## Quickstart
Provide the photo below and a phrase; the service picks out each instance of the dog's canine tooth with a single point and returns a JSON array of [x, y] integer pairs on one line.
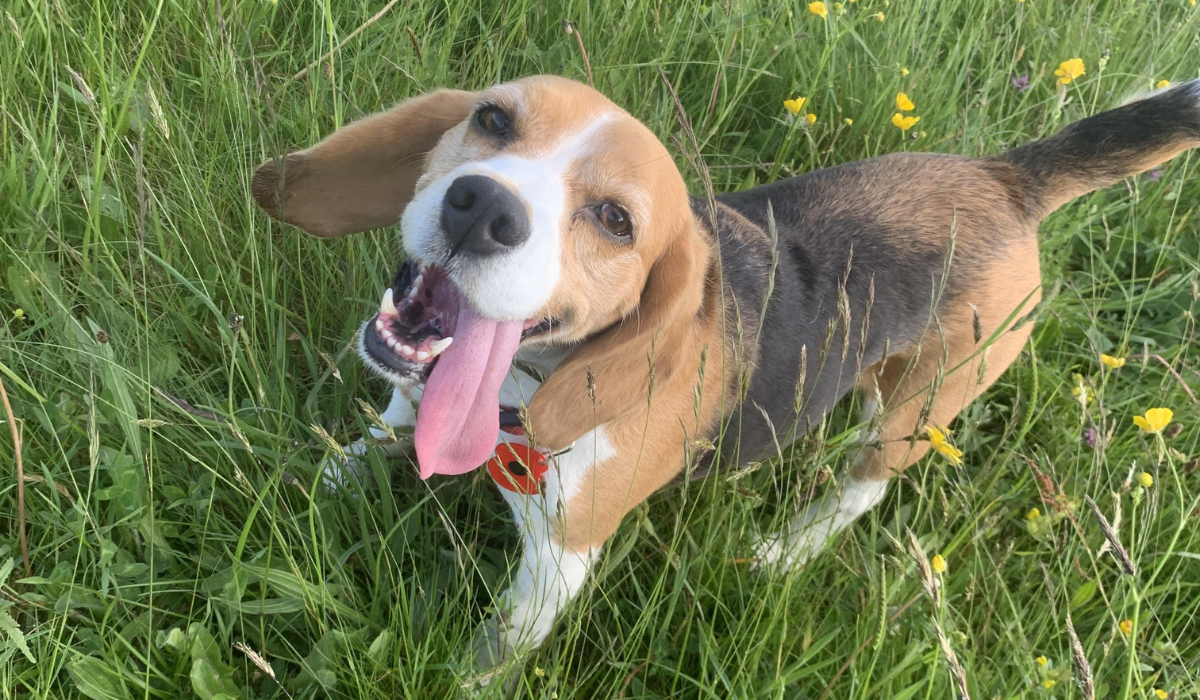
[[416, 286], [437, 348], [387, 306]]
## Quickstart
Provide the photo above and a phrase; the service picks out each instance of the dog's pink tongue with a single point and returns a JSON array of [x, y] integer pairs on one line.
[[459, 416]]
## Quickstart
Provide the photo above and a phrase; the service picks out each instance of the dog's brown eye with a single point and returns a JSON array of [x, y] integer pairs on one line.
[[614, 218], [493, 120]]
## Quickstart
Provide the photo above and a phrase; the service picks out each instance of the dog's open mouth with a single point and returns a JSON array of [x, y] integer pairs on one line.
[[427, 331], [416, 321]]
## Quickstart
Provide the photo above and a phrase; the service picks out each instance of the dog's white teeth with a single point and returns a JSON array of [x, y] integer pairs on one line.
[[406, 350], [422, 355], [379, 325], [387, 306], [437, 348], [392, 343], [416, 286]]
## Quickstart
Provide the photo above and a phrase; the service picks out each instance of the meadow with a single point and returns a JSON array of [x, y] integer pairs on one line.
[[177, 367]]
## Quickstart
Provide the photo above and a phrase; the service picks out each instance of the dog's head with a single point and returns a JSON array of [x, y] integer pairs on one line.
[[533, 212]]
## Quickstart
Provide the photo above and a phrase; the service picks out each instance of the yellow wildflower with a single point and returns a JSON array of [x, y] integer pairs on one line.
[[903, 71], [1114, 362], [939, 564], [1048, 683], [818, 8], [1033, 514], [794, 106], [905, 123], [1162, 694], [879, 16], [1145, 480], [1069, 70], [812, 118], [537, 671], [1126, 626], [941, 443], [903, 103], [18, 314], [1155, 420], [1042, 661], [1162, 84], [848, 121]]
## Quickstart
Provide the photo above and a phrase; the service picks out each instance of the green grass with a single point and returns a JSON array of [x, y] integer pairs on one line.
[[158, 537]]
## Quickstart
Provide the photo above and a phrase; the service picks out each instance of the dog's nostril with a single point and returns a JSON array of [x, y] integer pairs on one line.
[[502, 231], [461, 198]]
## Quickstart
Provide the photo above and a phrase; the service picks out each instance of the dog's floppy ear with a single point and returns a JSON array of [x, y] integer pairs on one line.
[[645, 355], [363, 175]]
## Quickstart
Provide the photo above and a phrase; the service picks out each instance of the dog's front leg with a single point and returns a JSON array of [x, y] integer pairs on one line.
[[401, 412], [547, 578]]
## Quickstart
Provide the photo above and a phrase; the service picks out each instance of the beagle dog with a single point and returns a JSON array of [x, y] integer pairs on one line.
[[566, 313]]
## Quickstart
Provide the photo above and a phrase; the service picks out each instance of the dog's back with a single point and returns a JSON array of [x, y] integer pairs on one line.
[[879, 257]]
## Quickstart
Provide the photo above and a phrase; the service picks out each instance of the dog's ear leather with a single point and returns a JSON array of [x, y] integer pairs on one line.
[[650, 353], [363, 175]]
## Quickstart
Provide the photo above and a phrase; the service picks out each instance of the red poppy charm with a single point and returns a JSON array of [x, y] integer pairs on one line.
[[518, 468]]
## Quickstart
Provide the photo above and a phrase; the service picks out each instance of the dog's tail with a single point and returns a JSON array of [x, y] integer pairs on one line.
[[1104, 148]]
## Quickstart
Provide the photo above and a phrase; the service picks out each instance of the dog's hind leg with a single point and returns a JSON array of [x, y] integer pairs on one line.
[[961, 356]]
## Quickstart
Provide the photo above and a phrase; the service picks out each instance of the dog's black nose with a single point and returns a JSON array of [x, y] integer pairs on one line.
[[481, 216]]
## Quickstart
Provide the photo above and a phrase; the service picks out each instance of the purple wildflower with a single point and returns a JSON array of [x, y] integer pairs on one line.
[[1089, 437], [1154, 175], [1021, 83]]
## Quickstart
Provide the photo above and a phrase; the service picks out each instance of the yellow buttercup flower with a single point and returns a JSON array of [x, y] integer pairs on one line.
[[1145, 480], [941, 443], [1069, 70], [938, 563], [1049, 683], [795, 105], [903, 71], [1162, 694], [1033, 514], [1114, 362], [812, 118], [1126, 627], [1155, 420], [537, 671], [903, 103], [818, 8], [1162, 84], [879, 16], [1042, 661], [905, 123], [848, 121]]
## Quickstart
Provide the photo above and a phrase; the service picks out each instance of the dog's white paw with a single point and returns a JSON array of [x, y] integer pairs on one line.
[[791, 550], [489, 654]]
